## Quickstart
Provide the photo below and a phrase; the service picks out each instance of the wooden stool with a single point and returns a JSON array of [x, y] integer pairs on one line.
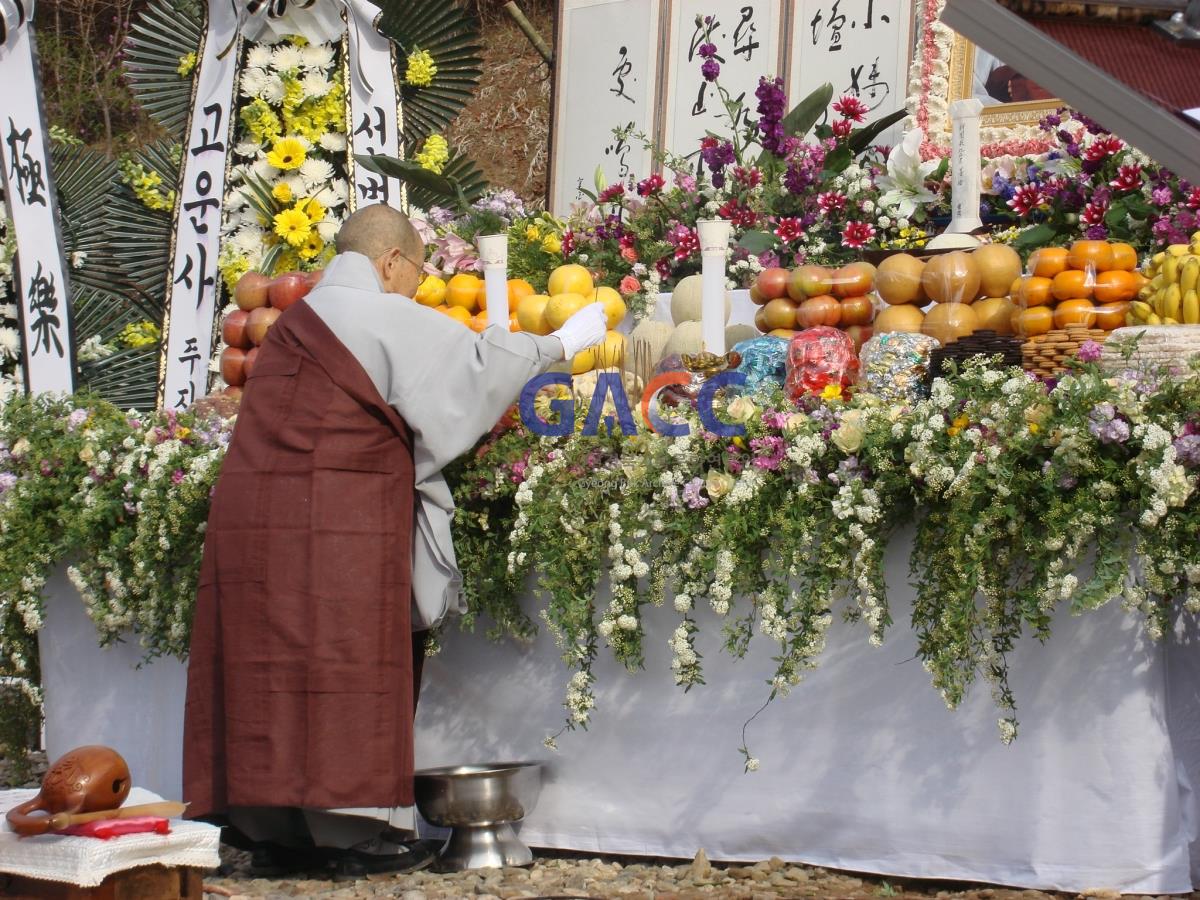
[[143, 883]]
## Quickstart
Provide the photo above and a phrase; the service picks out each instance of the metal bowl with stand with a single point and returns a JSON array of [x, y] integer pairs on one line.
[[481, 803]]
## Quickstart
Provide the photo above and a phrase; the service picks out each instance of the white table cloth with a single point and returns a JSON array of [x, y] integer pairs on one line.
[[863, 767]]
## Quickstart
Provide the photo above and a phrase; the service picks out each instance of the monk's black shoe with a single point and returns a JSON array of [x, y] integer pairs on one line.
[[273, 861], [351, 864]]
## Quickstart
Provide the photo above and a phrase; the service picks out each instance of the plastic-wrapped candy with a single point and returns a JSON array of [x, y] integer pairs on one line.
[[894, 365], [818, 358], [764, 359]]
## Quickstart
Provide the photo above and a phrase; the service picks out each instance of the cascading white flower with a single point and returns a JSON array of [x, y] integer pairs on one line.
[[904, 184]]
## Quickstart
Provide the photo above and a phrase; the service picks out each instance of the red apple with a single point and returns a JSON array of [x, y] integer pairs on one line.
[[287, 289], [756, 296], [860, 334], [233, 329], [821, 310], [760, 320], [857, 310], [233, 370], [251, 290], [251, 358], [772, 283], [809, 281], [260, 320]]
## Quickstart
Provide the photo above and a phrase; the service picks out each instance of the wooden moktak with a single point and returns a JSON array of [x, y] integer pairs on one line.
[[86, 779]]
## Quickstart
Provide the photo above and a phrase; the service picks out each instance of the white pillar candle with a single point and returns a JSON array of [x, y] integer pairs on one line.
[[493, 250], [714, 242], [964, 165]]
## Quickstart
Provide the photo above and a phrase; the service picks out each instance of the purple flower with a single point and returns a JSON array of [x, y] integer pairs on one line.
[[1161, 196], [1089, 351], [76, 418], [1106, 426], [7, 481], [772, 106], [716, 155], [1096, 233], [710, 70], [692, 496], [707, 50], [1187, 450], [768, 452], [177, 477]]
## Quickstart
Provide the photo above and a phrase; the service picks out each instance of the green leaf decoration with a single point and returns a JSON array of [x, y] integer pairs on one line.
[[461, 170], [804, 115], [837, 160], [756, 241], [450, 34], [863, 138], [459, 184], [127, 379], [164, 33], [139, 238], [1038, 236], [82, 180]]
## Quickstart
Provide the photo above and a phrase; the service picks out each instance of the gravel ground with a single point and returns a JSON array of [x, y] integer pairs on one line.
[[559, 876]]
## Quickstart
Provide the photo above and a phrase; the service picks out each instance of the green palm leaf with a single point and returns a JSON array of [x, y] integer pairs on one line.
[[450, 34], [139, 238], [82, 180], [158, 39], [466, 175], [128, 378]]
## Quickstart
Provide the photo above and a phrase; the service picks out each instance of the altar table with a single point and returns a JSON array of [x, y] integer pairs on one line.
[[862, 767]]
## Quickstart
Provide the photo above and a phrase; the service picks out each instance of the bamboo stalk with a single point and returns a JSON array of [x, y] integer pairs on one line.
[[166, 809], [530, 32]]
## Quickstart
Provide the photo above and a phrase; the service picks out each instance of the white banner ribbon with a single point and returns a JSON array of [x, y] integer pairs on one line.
[[193, 274], [375, 118], [41, 272]]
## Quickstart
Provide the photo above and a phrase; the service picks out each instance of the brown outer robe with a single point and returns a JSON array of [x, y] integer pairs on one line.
[[300, 681]]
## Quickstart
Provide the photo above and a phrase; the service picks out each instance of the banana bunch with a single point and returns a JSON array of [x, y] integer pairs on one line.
[[1172, 295]]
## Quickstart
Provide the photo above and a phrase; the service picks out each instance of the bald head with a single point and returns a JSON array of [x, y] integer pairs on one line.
[[374, 230]]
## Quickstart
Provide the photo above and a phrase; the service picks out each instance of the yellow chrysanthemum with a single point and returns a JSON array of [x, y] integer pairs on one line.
[[434, 154], [140, 334], [533, 233], [288, 153], [232, 269], [421, 69], [282, 192], [551, 243], [187, 63], [312, 247], [293, 226]]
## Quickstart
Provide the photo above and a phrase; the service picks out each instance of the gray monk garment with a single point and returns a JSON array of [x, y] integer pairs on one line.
[[448, 383]]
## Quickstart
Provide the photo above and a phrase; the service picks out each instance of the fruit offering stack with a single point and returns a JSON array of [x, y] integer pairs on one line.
[[814, 295], [1047, 354], [260, 301], [1172, 295], [464, 298], [969, 292], [569, 289], [1091, 283]]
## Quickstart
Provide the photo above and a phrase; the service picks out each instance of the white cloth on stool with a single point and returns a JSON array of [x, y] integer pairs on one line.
[[86, 861]]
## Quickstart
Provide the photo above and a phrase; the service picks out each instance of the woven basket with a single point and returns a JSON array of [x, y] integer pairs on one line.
[[1047, 354], [1157, 345]]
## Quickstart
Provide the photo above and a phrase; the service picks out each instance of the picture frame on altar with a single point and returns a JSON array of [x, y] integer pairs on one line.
[[1009, 99]]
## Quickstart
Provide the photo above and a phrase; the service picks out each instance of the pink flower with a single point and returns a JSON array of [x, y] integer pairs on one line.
[[850, 107], [831, 201], [1094, 212], [629, 285], [177, 477], [612, 192], [1026, 199], [789, 229], [1089, 351], [842, 128], [1193, 199], [1129, 178], [1102, 148], [568, 242], [629, 254], [856, 234], [751, 177], [651, 185]]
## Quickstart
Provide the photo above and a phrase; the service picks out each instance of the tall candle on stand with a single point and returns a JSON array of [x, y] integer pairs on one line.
[[964, 166], [714, 242], [493, 250]]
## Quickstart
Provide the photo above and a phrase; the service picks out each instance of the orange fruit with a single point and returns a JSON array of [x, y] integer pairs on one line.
[[463, 291], [1048, 261], [1033, 290], [1115, 285], [1097, 254], [1125, 257], [431, 291], [513, 324], [459, 314], [1111, 315], [1035, 320], [518, 288], [481, 296], [1074, 312], [1072, 284], [570, 279], [478, 323]]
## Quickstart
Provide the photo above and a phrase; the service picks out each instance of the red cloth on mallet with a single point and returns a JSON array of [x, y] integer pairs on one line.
[[110, 828]]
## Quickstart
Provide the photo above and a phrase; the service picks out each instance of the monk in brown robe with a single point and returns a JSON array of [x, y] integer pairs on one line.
[[328, 545]]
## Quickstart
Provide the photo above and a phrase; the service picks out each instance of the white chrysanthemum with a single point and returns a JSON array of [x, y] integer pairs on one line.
[[10, 342], [332, 141], [263, 170], [328, 230], [316, 56], [248, 148], [259, 56], [315, 172], [314, 84], [295, 184], [247, 241], [254, 82], [8, 310], [287, 57], [272, 89]]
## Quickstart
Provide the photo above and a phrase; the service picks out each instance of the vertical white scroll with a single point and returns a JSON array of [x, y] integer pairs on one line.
[[964, 166], [193, 275], [606, 78], [375, 122], [41, 271], [746, 35], [861, 47], [493, 250], [714, 243]]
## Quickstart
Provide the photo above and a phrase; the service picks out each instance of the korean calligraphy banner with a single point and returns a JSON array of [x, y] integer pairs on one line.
[[607, 77], [374, 106], [48, 350], [191, 291]]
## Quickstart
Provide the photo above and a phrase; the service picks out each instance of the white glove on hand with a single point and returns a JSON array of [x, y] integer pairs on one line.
[[584, 329]]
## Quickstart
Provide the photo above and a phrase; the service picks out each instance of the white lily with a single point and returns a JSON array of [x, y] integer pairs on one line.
[[904, 184]]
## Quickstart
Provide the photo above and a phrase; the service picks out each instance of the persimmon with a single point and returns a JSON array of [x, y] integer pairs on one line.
[[1072, 284], [1097, 254], [1115, 285], [1048, 261], [1074, 312], [1034, 290]]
